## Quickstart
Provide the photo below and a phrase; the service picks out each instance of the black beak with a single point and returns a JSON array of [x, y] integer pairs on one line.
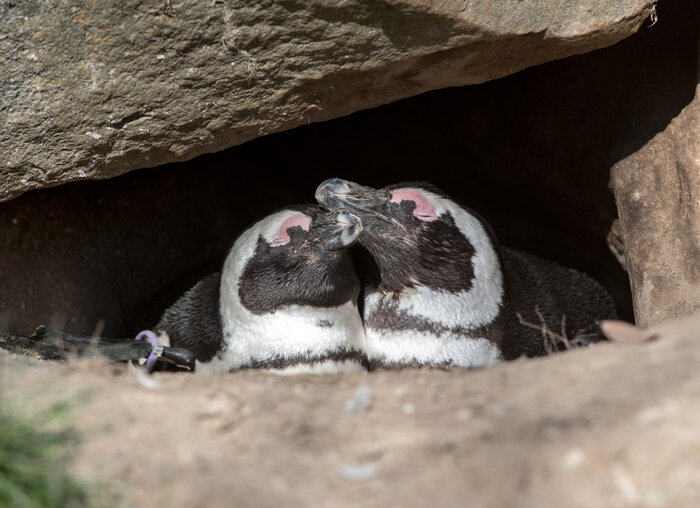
[[337, 229], [337, 193]]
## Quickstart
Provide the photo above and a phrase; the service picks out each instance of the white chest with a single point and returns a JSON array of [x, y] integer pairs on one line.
[[309, 339], [397, 334]]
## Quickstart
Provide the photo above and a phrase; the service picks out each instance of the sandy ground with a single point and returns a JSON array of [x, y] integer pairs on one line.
[[614, 425]]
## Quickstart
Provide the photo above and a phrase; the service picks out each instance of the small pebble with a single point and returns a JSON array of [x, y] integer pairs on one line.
[[360, 400], [359, 473], [573, 458]]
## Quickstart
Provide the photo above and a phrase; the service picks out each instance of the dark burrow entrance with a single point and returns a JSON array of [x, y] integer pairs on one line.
[[532, 152]]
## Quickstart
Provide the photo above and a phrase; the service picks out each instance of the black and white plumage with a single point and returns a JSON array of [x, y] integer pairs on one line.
[[445, 293], [285, 300]]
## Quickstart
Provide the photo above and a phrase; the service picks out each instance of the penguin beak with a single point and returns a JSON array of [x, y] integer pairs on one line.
[[365, 201], [337, 193], [338, 229]]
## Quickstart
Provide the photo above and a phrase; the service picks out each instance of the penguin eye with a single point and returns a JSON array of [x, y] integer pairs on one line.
[[424, 209], [283, 233]]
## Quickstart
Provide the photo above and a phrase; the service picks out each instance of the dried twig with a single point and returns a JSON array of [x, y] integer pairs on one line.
[[550, 339]]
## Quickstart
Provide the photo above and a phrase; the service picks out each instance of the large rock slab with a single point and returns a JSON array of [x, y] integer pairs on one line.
[[95, 89], [657, 189]]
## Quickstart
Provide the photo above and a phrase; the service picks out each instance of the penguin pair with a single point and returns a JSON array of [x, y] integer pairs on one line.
[[439, 290]]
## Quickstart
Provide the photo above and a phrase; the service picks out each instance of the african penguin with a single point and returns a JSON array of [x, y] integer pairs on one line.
[[445, 293], [285, 300]]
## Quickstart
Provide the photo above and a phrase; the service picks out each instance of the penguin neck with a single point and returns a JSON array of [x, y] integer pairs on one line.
[[470, 308]]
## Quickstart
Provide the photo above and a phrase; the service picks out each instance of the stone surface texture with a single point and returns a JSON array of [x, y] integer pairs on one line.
[[657, 189], [95, 89]]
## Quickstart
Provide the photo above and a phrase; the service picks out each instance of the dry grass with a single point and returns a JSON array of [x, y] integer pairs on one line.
[[552, 341]]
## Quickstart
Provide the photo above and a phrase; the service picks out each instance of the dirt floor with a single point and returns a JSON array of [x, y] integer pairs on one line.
[[613, 425]]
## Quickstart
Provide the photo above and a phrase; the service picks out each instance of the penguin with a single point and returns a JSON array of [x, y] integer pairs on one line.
[[285, 300], [441, 291]]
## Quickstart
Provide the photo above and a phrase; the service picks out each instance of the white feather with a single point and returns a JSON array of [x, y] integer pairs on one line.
[[324, 367], [407, 346]]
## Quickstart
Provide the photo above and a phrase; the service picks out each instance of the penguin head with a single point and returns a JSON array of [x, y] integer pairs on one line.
[[296, 256], [416, 235]]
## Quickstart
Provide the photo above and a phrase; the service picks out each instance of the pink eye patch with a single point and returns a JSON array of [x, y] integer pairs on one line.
[[424, 210], [282, 237]]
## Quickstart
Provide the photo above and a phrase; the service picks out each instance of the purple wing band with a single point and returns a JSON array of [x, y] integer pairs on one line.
[[153, 339]]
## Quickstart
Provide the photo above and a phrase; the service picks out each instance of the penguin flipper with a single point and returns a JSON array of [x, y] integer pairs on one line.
[[193, 322], [26, 346], [54, 345], [72, 345]]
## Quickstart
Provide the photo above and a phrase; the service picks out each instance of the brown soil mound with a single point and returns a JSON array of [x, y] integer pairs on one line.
[[611, 425]]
